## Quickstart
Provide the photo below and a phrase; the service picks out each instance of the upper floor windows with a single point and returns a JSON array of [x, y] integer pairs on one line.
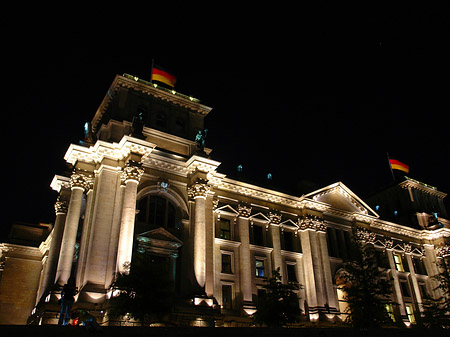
[[157, 211]]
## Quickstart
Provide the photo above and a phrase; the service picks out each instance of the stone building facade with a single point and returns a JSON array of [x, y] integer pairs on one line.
[[140, 181]]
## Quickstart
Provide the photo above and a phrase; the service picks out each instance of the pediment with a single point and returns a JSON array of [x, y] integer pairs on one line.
[[227, 208], [342, 198], [259, 216], [160, 234]]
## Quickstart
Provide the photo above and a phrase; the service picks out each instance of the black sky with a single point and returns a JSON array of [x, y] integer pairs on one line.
[[312, 95]]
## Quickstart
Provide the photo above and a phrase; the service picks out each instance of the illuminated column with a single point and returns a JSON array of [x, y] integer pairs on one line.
[[244, 253], [275, 220], [312, 264], [132, 174], [198, 191], [78, 185], [330, 293], [415, 283], [55, 246], [398, 298]]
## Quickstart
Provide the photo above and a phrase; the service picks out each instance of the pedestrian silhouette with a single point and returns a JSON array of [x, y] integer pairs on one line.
[[68, 293]]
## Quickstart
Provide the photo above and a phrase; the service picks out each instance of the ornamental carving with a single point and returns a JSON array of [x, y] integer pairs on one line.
[[199, 188], [244, 210], [132, 171], [275, 217], [443, 251], [365, 235], [312, 222], [60, 206], [78, 180], [388, 243]]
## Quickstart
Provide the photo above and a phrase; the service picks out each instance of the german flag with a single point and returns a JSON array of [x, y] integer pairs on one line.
[[398, 165], [160, 75]]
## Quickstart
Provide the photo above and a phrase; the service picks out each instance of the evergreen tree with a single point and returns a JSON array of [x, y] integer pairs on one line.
[[147, 292], [279, 305], [366, 289]]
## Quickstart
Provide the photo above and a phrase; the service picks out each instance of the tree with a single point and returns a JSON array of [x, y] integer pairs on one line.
[[366, 289], [436, 313], [279, 305], [147, 292]]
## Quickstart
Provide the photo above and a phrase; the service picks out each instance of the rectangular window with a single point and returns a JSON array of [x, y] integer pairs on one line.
[[288, 241], [225, 229], [259, 264], [405, 288], [423, 289], [398, 262], [227, 296], [410, 313], [390, 312], [419, 266], [226, 263], [291, 274], [258, 238]]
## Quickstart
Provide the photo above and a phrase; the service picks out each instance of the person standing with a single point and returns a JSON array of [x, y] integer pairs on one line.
[[68, 293]]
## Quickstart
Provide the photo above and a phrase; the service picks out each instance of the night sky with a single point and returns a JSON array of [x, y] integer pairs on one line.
[[311, 95]]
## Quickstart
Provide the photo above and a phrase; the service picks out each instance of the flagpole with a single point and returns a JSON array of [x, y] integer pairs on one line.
[[390, 166], [151, 74]]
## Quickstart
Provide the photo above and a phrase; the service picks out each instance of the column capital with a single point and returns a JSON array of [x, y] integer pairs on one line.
[[61, 207], [443, 251], [198, 189], [275, 217], [133, 170], [78, 180], [365, 235], [244, 210], [313, 223]]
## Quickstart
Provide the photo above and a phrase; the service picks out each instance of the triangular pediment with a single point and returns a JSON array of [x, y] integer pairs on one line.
[[227, 208], [160, 234], [342, 198], [259, 216]]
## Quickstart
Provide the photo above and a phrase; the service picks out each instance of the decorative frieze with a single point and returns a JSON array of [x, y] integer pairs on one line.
[[132, 171]]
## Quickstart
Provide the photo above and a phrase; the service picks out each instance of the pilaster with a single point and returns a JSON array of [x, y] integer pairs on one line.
[[245, 264]]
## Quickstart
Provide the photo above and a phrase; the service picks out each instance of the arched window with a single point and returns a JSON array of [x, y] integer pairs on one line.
[[157, 211]]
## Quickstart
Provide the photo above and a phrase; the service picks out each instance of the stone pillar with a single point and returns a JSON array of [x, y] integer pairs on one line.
[[330, 292], [198, 191], [245, 264], [55, 247], [415, 283], [131, 175], [398, 298], [78, 185], [275, 219], [313, 267]]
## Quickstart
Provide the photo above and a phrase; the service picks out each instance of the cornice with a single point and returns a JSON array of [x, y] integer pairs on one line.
[[102, 149], [411, 183]]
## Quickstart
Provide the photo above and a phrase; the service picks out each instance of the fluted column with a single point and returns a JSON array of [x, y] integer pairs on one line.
[[131, 175], [55, 246], [275, 219], [198, 191], [77, 185], [244, 252]]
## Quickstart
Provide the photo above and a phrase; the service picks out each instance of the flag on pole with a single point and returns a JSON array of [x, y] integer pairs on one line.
[[158, 74], [398, 165]]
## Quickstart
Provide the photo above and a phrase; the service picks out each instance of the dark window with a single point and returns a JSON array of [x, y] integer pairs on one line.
[[225, 229], [259, 264], [419, 266], [226, 263], [291, 274], [258, 238], [227, 296], [405, 288], [288, 241], [161, 119], [157, 211]]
